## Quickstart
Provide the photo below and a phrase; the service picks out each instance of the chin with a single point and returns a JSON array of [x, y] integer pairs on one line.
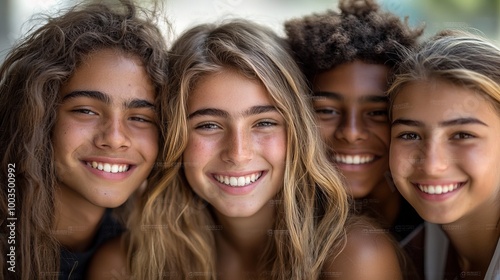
[[358, 192], [110, 203]]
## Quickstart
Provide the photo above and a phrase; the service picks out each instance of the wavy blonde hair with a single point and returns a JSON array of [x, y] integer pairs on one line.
[[459, 57], [172, 240]]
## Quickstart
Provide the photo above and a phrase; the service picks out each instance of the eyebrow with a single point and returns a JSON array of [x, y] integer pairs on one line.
[[339, 97], [135, 103], [255, 110], [459, 121], [89, 94]]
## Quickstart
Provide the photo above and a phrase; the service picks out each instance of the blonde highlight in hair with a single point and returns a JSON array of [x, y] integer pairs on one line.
[[313, 203], [458, 57]]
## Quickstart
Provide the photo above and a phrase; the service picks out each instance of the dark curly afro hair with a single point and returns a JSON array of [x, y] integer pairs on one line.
[[361, 31]]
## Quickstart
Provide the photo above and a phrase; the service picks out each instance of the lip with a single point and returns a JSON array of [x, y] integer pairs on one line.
[[113, 160], [238, 191], [441, 196]]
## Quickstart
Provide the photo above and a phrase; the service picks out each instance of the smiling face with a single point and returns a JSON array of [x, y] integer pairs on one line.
[[235, 157], [105, 137], [444, 153], [351, 110]]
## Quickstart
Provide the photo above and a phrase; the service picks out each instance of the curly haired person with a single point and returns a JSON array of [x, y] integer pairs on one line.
[[348, 58]]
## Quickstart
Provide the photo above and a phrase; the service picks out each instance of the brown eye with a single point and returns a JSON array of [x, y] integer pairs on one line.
[[84, 111], [409, 136], [462, 135]]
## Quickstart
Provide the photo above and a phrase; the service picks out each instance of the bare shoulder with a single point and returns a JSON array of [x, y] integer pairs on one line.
[[110, 261], [369, 253]]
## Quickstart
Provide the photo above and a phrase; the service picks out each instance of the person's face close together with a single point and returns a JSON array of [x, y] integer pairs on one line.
[[445, 152], [351, 110], [106, 135], [235, 157]]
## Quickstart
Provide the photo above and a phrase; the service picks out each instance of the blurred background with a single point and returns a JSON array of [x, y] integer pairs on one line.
[[18, 16]]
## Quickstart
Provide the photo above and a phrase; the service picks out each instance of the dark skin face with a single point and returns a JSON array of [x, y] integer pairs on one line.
[[351, 109]]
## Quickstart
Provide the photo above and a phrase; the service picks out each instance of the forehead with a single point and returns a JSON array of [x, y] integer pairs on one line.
[[229, 90], [439, 100], [119, 75], [353, 80]]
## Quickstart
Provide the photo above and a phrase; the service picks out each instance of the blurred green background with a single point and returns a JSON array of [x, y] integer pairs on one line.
[[478, 15]]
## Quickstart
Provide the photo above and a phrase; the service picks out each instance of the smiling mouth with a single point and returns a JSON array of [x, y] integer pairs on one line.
[[109, 167], [438, 189], [353, 159], [240, 181]]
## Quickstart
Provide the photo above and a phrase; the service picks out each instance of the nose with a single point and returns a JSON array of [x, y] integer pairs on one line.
[[238, 147], [112, 134], [435, 158], [351, 128]]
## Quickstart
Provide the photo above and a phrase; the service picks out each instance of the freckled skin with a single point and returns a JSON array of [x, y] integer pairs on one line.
[[236, 144], [439, 154], [88, 128]]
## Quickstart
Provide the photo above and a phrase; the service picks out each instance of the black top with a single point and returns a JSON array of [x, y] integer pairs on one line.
[[74, 264], [406, 222]]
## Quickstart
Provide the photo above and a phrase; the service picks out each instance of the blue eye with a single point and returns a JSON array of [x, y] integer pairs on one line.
[[207, 126], [265, 123]]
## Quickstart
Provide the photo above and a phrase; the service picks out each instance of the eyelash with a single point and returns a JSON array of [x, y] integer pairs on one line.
[[415, 136], [265, 123], [84, 111], [327, 112], [213, 126], [139, 119], [90, 112], [406, 136], [461, 136], [377, 113], [207, 126]]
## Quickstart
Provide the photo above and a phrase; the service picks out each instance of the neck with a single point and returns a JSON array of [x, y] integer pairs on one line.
[[77, 220], [242, 241], [475, 237], [384, 200]]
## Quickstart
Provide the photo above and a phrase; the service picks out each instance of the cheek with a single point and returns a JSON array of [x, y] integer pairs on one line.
[[148, 143], [383, 133], [327, 130], [198, 152], [274, 148], [399, 161], [64, 137]]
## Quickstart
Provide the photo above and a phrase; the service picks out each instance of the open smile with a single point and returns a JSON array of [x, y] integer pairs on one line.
[[354, 159], [439, 189], [239, 181], [108, 167]]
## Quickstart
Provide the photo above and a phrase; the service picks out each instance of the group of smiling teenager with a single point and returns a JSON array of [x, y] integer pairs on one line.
[[345, 150]]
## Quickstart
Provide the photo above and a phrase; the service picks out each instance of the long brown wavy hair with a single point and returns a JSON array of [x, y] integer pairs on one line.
[[172, 237], [30, 79]]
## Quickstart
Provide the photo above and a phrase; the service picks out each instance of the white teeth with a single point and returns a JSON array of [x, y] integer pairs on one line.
[[109, 167], [438, 189], [238, 181], [233, 181], [357, 159]]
